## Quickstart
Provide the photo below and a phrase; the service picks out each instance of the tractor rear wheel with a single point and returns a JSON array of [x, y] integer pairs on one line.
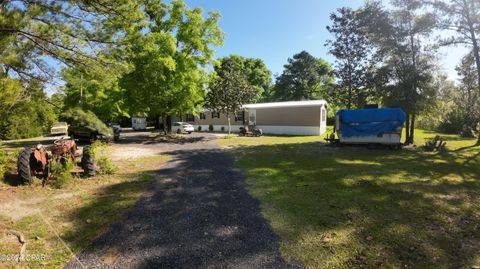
[[23, 166], [88, 163]]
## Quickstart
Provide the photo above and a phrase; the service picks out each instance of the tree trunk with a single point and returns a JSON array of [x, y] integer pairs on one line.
[[412, 128], [229, 126], [157, 122], [169, 124], [350, 97], [164, 121], [476, 52], [407, 130]]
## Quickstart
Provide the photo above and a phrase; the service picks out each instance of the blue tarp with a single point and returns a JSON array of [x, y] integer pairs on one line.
[[365, 122]]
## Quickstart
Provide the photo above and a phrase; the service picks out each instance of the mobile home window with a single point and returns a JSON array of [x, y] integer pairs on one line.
[[324, 114], [189, 117], [215, 115], [203, 116], [239, 116]]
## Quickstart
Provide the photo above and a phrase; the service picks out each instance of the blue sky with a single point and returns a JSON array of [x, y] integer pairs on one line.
[[274, 30]]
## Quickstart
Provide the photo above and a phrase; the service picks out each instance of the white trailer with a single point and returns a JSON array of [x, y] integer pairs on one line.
[[139, 123]]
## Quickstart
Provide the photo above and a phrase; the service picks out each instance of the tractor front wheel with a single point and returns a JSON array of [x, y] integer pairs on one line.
[[88, 163], [23, 166]]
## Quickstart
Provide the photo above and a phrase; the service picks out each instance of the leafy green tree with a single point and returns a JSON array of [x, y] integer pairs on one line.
[[434, 116], [38, 37], [465, 117], [10, 94], [25, 111], [408, 64], [462, 17], [95, 88], [57, 101], [169, 59], [257, 73], [230, 87], [352, 50], [304, 77], [71, 32]]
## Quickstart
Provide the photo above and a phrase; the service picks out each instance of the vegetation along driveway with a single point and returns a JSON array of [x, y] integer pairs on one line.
[[196, 214]]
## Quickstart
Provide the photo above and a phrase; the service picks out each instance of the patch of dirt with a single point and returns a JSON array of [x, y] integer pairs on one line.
[[17, 204], [126, 152], [110, 257], [15, 208]]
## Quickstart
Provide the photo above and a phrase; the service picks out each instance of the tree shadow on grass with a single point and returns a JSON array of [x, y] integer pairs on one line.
[[351, 207], [160, 139], [105, 207]]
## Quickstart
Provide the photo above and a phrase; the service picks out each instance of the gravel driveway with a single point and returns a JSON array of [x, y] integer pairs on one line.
[[197, 214]]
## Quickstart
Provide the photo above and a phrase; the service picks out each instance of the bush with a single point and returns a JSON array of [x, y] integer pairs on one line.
[[103, 163], [222, 129], [61, 173], [210, 128], [454, 123], [105, 166], [331, 121], [199, 128], [8, 161]]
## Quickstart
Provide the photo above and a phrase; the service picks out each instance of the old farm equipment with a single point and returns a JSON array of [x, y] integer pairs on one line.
[[38, 161], [250, 131]]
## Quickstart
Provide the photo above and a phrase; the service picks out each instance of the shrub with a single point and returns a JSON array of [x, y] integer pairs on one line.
[[105, 166], [210, 128], [8, 161], [199, 128], [222, 129], [61, 173], [453, 123], [3, 163], [103, 163]]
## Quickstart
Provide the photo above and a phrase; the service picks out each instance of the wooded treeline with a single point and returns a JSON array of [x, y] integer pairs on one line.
[[153, 58]]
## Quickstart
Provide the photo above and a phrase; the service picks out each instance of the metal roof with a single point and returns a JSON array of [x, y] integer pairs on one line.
[[286, 104]]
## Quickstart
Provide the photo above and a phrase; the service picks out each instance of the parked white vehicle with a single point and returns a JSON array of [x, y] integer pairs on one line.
[[139, 123], [182, 127]]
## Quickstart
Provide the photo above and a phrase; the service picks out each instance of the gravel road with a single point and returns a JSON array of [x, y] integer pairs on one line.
[[197, 214]]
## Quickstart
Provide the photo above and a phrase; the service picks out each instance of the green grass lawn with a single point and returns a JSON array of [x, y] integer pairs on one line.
[[52, 219], [351, 207]]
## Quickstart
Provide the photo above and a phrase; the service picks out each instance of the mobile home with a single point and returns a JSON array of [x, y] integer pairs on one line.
[[283, 118]]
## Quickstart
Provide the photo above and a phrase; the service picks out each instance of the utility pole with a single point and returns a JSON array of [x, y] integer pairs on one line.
[[81, 90]]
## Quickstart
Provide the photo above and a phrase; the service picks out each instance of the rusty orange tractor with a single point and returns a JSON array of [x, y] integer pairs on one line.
[[37, 161]]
